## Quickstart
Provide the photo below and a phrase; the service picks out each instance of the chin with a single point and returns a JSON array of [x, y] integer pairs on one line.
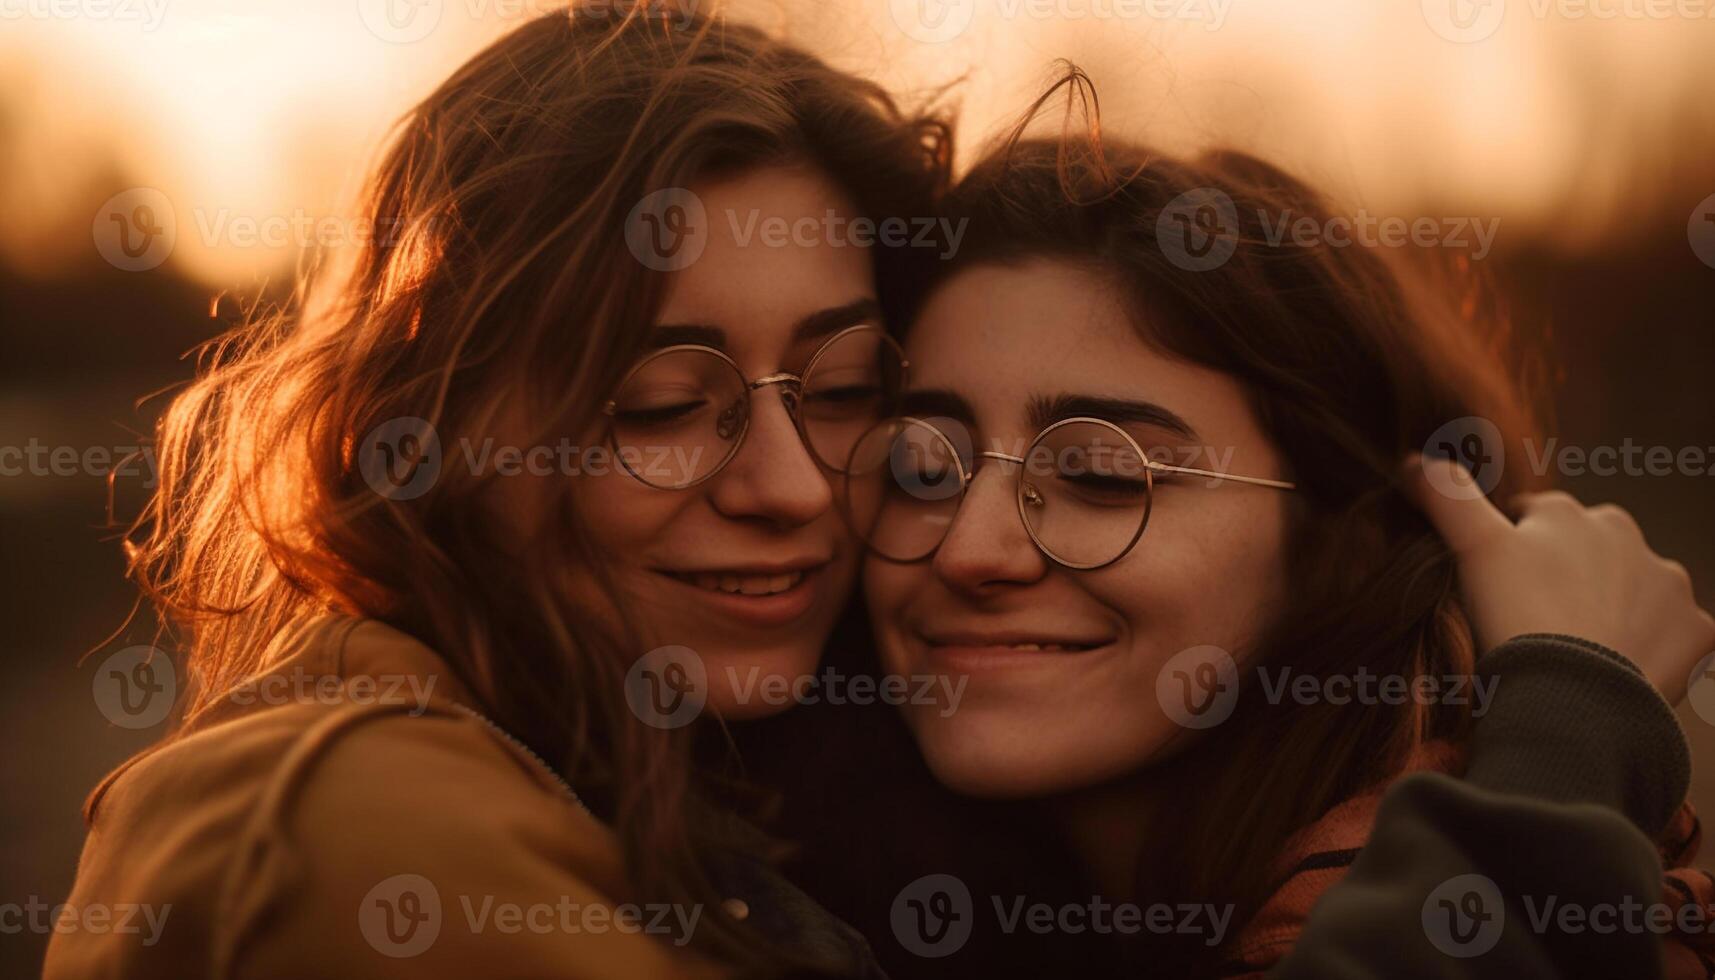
[[996, 762], [994, 777], [739, 679]]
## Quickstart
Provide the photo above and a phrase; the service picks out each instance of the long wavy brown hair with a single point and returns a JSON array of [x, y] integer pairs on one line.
[[1351, 361], [499, 280]]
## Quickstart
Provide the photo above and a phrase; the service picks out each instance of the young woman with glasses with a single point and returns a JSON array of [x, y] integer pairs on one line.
[[460, 465], [1157, 508]]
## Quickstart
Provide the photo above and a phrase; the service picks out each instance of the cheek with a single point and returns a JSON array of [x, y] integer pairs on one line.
[[622, 515], [1209, 575], [521, 507]]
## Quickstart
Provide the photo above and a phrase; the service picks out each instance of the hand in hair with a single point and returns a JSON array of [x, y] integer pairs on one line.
[[1570, 569]]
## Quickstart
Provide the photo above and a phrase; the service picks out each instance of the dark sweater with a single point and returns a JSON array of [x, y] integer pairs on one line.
[[1574, 771]]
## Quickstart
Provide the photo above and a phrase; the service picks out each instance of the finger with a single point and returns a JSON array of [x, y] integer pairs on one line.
[[1463, 521], [1545, 502]]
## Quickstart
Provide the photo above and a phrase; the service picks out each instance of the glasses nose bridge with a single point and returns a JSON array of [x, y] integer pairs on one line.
[[1004, 457], [791, 388], [777, 378]]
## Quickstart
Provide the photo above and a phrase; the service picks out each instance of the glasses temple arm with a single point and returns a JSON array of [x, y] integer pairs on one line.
[[1192, 471]]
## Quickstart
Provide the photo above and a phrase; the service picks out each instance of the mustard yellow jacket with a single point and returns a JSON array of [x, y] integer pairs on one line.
[[350, 815]]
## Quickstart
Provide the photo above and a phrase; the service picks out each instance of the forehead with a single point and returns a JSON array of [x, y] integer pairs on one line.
[[1007, 329], [776, 251], [1000, 336]]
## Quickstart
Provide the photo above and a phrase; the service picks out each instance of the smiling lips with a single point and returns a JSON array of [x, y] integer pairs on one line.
[[742, 583], [767, 597], [1020, 640]]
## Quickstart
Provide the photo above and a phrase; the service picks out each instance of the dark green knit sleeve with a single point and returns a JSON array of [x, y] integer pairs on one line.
[[1577, 765]]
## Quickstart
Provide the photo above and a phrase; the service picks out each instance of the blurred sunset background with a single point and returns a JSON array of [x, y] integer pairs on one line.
[[241, 131]]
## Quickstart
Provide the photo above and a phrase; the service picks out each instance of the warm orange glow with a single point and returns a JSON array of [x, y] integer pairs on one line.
[[257, 126]]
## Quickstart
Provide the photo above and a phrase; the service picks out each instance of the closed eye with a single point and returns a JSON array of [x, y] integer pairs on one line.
[[1108, 486], [844, 393], [660, 415]]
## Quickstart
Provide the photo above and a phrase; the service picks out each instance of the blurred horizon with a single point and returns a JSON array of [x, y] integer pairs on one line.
[[253, 144]]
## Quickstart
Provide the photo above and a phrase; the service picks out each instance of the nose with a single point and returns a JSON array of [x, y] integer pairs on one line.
[[987, 547], [773, 478]]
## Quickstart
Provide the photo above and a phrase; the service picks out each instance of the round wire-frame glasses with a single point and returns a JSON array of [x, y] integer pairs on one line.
[[1085, 509], [700, 404]]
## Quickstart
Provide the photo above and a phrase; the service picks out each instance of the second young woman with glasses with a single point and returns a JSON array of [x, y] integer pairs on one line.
[[1158, 510]]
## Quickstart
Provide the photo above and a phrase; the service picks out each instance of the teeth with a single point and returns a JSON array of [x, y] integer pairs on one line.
[[1049, 647], [736, 584]]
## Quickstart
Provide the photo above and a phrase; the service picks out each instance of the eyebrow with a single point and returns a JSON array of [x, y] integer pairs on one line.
[[1045, 411], [815, 325], [937, 403]]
